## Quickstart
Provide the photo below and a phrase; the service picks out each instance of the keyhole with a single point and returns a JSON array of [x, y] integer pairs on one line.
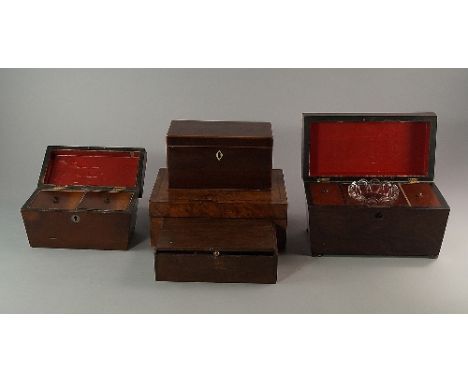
[[379, 215], [75, 218], [55, 199], [106, 200]]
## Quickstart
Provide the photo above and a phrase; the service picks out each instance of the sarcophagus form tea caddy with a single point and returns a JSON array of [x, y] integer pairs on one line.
[[339, 149], [86, 197]]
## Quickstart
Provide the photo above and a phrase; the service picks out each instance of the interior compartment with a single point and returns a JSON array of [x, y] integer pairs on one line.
[[369, 149], [66, 200], [421, 195], [104, 200], [411, 195], [110, 168]]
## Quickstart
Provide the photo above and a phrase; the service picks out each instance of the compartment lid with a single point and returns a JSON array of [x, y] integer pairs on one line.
[[94, 167], [222, 235], [209, 133], [341, 147]]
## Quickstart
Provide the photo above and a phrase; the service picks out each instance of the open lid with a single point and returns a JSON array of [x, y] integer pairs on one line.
[[341, 147], [94, 168], [190, 132]]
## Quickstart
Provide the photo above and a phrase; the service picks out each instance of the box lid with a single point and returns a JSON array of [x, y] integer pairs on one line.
[[207, 133], [94, 167], [249, 236], [341, 147]]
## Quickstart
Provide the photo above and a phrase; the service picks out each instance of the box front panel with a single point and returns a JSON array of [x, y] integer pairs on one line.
[[219, 167], [342, 230], [223, 268], [75, 229]]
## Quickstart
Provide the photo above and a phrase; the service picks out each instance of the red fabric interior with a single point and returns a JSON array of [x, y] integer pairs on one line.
[[92, 168], [381, 149]]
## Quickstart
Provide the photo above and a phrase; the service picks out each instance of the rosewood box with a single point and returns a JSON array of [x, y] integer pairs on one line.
[[87, 197], [219, 154], [341, 148]]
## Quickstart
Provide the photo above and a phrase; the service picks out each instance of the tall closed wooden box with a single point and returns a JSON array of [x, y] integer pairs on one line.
[[219, 154], [341, 148], [86, 197]]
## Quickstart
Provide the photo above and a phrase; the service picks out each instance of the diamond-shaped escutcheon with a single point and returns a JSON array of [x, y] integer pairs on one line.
[[219, 155]]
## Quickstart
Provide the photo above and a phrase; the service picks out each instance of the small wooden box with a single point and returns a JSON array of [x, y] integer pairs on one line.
[[87, 197], [216, 250], [219, 154], [341, 148], [267, 205]]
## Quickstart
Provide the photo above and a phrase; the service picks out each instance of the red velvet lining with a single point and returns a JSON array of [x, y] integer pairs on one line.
[[92, 168], [383, 149]]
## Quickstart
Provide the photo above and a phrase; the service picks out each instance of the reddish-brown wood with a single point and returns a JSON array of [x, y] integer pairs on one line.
[[219, 154], [268, 205], [216, 250], [85, 215], [414, 225]]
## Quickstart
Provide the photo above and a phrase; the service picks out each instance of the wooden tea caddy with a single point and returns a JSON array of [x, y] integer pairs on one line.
[[341, 148], [86, 197]]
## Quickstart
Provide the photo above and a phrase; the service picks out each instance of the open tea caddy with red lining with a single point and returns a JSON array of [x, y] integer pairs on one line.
[[339, 149], [86, 197]]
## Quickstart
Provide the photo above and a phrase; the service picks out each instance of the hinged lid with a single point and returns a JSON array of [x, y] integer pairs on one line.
[[111, 168], [208, 133], [341, 147]]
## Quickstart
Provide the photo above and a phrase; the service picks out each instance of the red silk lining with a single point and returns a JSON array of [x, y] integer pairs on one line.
[[92, 168], [383, 149]]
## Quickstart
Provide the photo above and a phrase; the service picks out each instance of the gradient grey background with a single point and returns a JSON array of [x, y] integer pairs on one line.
[[134, 108]]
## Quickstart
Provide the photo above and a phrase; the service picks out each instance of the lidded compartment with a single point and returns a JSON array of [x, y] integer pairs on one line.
[[219, 154], [86, 197], [369, 186]]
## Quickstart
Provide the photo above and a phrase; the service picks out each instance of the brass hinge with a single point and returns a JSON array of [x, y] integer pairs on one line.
[[323, 180], [413, 180]]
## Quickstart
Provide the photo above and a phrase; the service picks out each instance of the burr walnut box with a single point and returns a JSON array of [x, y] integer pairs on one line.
[[87, 197], [219, 154], [396, 149], [259, 205]]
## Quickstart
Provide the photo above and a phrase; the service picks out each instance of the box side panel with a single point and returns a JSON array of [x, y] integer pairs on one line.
[[208, 268], [219, 167], [75, 229], [377, 232]]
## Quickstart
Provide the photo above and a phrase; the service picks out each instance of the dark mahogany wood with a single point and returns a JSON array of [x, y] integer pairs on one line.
[[270, 205], [219, 154], [216, 250], [414, 225], [89, 212]]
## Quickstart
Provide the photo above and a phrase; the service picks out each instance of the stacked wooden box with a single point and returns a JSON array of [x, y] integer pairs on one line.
[[218, 213]]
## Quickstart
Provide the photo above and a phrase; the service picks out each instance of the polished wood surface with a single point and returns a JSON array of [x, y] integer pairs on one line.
[[219, 154], [216, 250], [413, 226], [98, 215], [268, 205]]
